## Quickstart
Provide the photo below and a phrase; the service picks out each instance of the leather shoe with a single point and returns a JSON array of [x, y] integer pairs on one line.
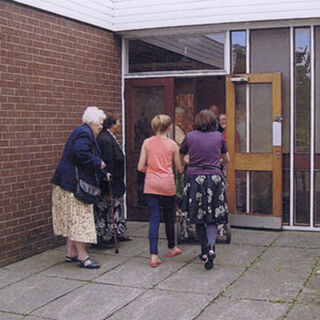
[[92, 265]]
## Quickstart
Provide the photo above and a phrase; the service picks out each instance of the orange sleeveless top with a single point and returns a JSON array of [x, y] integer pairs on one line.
[[159, 174]]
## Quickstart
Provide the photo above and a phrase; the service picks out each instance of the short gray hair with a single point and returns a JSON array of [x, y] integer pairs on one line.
[[180, 110], [93, 115]]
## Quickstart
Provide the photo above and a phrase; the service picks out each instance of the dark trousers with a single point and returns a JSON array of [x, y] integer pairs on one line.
[[167, 203]]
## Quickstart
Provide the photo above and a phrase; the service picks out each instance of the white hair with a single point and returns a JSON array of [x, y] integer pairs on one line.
[[93, 115], [179, 110]]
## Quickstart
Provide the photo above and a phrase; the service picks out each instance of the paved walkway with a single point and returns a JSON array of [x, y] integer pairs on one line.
[[260, 275]]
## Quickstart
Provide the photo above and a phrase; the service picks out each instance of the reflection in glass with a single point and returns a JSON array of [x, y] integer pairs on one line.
[[240, 121], [261, 192], [286, 196], [239, 47], [317, 91], [148, 102], [261, 118], [177, 52], [302, 90], [241, 191], [317, 198], [302, 199]]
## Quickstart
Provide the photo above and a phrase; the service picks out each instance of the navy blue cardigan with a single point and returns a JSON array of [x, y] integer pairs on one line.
[[81, 149]]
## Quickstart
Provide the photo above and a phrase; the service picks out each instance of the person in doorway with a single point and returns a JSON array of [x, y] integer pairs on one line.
[[156, 157], [113, 156], [72, 218], [203, 195], [179, 124]]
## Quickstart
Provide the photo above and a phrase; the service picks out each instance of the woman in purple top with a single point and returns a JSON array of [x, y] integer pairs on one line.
[[203, 195]]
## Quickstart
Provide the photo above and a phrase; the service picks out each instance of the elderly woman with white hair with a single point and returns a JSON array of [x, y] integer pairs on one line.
[[73, 218]]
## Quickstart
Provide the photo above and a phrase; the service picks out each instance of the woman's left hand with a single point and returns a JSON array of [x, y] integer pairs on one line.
[[103, 165]]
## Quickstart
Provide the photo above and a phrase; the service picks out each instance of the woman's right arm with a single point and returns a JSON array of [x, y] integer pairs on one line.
[[225, 157], [142, 164], [177, 159]]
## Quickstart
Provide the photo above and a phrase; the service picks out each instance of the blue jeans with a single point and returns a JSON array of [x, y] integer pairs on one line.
[[167, 203]]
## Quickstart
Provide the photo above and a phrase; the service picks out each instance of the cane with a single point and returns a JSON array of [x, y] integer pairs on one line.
[[113, 222]]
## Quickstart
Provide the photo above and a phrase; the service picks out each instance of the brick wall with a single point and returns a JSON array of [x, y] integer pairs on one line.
[[51, 68]]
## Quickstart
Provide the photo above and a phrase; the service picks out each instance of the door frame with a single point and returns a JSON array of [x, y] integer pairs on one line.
[[254, 161]]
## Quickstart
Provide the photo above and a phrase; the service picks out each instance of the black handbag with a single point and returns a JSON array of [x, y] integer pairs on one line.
[[85, 191]]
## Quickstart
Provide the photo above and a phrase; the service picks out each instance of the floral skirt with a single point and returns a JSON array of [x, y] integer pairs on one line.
[[103, 218], [71, 217], [203, 199]]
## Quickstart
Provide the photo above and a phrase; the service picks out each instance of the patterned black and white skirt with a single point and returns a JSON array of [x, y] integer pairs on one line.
[[204, 200]]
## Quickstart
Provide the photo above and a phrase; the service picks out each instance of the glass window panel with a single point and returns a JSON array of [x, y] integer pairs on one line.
[[261, 118], [241, 117], [302, 197], [241, 191], [286, 196], [317, 198], [177, 52], [317, 90], [302, 90], [261, 192], [147, 102], [270, 49], [239, 47]]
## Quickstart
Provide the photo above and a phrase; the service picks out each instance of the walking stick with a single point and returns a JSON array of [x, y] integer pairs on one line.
[[113, 222]]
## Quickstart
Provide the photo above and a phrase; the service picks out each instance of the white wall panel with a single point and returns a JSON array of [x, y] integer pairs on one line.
[[140, 14], [126, 15], [95, 12]]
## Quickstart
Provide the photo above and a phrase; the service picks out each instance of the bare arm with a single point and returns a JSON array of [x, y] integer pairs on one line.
[[177, 159], [225, 157], [142, 164]]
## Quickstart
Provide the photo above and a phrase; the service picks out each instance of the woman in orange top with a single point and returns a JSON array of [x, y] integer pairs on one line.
[[156, 157]]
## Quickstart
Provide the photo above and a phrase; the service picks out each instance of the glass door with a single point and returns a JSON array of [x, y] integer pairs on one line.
[[145, 98], [254, 174]]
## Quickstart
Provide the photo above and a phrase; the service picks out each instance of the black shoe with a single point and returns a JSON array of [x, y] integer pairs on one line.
[[92, 265], [201, 256], [211, 256]]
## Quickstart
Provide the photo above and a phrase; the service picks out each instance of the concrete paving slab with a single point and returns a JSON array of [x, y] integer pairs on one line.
[[137, 229], [137, 273], [10, 316], [310, 294], [36, 263], [8, 277], [271, 285], [92, 301], [159, 305], [72, 270], [253, 237], [290, 259], [194, 278], [232, 309], [299, 239], [304, 312], [31, 293], [235, 254], [129, 248]]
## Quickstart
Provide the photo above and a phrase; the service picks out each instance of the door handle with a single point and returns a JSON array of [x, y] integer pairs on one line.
[[278, 119]]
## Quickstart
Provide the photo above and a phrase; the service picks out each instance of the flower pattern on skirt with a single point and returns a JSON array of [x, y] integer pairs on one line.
[[71, 217], [103, 218], [203, 199]]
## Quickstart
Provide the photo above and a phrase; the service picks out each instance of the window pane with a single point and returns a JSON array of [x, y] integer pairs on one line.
[[261, 192], [317, 91], [286, 196], [239, 46], [241, 191], [261, 108], [302, 199], [317, 198], [148, 102], [183, 52], [270, 49], [241, 118], [302, 90]]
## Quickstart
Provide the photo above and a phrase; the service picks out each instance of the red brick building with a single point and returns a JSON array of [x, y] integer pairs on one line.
[[51, 69]]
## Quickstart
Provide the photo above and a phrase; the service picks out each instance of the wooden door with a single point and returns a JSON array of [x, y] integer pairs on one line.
[[145, 98], [254, 174]]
